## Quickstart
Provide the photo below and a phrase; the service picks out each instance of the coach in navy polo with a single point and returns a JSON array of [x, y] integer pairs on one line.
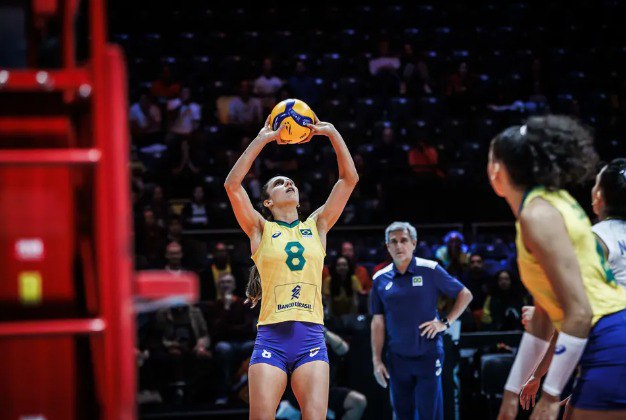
[[404, 308]]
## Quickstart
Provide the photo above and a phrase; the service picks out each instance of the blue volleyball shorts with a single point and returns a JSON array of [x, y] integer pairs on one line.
[[602, 381], [288, 345]]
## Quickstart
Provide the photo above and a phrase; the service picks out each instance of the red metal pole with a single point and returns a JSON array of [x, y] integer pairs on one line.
[[113, 221]]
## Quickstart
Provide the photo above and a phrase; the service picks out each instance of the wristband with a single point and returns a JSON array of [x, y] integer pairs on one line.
[[567, 352], [531, 351]]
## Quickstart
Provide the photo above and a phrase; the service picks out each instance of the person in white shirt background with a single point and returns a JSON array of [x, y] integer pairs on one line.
[[267, 85], [244, 109], [184, 114]]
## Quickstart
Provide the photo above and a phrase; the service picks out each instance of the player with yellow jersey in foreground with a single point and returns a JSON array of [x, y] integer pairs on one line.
[[561, 267], [289, 255]]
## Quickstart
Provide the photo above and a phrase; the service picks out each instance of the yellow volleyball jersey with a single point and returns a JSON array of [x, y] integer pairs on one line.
[[605, 296], [290, 260]]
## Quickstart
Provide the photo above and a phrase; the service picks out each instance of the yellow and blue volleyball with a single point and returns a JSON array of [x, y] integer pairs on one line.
[[294, 114]]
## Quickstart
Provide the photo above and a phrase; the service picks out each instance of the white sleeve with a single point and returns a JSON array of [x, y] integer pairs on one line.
[[567, 352], [531, 351]]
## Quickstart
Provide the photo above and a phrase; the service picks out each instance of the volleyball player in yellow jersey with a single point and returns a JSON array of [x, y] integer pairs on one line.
[[289, 256], [559, 264]]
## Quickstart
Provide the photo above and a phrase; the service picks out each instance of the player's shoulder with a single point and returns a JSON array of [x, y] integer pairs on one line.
[[382, 272], [422, 262]]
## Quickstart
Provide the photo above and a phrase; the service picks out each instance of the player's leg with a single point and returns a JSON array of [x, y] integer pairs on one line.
[[267, 375], [266, 385], [401, 386], [309, 382], [428, 394]]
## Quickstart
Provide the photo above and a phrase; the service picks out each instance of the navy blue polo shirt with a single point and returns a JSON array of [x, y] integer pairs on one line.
[[408, 300]]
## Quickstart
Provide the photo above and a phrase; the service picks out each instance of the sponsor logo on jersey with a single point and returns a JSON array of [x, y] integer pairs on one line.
[[418, 281], [314, 351], [295, 292], [266, 354], [300, 305], [276, 234], [306, 233], [560, 349], [388, 286], [295, 296]]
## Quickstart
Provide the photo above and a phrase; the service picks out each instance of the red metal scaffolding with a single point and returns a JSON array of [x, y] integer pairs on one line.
[[67, 330]]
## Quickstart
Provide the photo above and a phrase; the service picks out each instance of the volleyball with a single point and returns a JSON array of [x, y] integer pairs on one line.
[[294, 114]]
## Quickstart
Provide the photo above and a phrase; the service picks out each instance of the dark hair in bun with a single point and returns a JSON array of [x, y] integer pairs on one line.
[[553, 151]]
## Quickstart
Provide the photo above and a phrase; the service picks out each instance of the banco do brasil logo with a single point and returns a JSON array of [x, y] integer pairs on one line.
[[295, 292]]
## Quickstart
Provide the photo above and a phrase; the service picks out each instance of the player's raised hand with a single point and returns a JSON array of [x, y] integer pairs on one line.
[[267, 135], [381, 374], [529, 392], [320, 128]]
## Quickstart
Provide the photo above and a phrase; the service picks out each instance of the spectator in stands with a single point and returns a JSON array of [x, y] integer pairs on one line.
[[185, 168], [460, 90], [361, 273], [184, 114], [243, 109], [195, 213], [232, 329], [453, 255], [389, 155], [145, 120], [267, 85], [174, 258], [385, 69], [182, 346], [153, 240], [221, 265], [303, 86], [341, 288], [158, 205], [415, 74], [137, 171], [194, 252], [165, 87], [476, 279], [385, 61], [423, 159], [503, 306]]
